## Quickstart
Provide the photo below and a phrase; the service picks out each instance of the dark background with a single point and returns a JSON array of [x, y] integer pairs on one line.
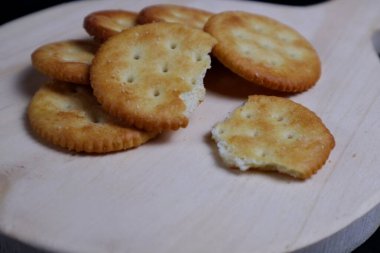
[[20, 8]]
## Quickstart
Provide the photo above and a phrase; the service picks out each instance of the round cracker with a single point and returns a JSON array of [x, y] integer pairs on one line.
[[274, 133], [67, 61], [69, 116], [150, 76], [175, 14], [107, 23], [264, 51]]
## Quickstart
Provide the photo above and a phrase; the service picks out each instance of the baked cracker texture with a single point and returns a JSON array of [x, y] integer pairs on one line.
[[67, 61], [274, 133], [174, 13], [151, 76], [106, 23], [264, 51], [69, 116]]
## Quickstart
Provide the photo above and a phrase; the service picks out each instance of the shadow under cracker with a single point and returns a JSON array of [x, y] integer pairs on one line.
[[223, 81], [160, 139], [376, 42], [11, 244], [29, 81]]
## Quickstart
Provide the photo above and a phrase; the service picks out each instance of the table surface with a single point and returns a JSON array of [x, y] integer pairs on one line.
[[52, 198]]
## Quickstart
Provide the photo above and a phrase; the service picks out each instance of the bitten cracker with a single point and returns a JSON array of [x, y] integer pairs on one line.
[[274, 133], [69, 116], [107, 23], [175, 14], [264, 51], [67, 61], [151, 76]]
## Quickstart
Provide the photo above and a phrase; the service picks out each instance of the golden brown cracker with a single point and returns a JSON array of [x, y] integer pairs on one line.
[[274, 133], [174, 13], [150, 76], [264, 51], [67, 61], [107, 23], [69, 116]]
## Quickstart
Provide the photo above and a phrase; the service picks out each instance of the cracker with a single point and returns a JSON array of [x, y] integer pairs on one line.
[[107, 23], [264, 51], [69, 116], [274, 133], [67, 61], [150, 76], [175, 14]]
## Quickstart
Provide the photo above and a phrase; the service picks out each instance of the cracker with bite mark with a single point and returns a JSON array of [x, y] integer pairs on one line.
[[151, 76], [274, 133], [264, 51], [67, 61], [69, 116]]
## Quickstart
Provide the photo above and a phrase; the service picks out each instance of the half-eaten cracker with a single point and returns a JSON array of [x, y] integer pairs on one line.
[[107, 23], [67, 61], [274, 133], [151, 76], [69, 116], [174, 13], [264, 51]]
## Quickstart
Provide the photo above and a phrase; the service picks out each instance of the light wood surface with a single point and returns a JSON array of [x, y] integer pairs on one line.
[[174, 194]]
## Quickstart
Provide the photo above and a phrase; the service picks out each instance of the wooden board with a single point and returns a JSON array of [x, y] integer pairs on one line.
[[174, 194]]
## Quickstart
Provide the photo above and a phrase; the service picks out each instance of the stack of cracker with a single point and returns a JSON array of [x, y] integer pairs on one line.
[[143, 73]]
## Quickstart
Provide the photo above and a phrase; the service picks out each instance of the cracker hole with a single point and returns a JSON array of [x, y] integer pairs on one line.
[[261, 153], [193, 81], [290, 136], [280, 119], [198, 58], [247, 115], [165, 69], [69, 107], [254, 133], [130, 79], [156, 93], [221, 131], [173, 45], [137, 57]]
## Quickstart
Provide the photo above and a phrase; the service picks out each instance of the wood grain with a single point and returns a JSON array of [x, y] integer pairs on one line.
[[174, 194]]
